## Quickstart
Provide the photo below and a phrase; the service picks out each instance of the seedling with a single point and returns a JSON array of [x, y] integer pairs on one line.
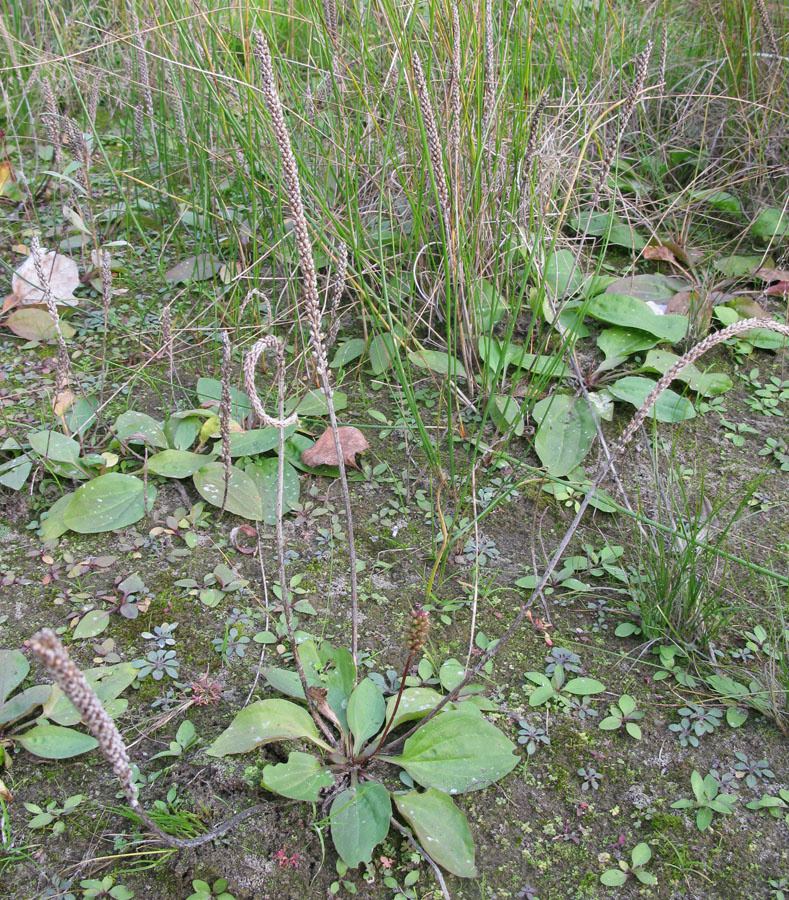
[[639, 857], [624, 713], [708, 800]]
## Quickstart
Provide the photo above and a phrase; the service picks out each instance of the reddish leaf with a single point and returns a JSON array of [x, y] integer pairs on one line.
[[324, 452], [781, 288], [769, 275]]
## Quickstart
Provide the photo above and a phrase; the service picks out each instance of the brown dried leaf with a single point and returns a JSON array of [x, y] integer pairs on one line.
[[324, 452], [661, 253], [35, 324], [61, 272], [770, 275]]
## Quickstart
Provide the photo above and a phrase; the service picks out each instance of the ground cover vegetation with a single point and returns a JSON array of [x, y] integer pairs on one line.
[[393, 459]]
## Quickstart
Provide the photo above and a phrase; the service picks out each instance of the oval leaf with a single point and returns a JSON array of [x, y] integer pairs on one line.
[[414, 704], [629, 312], [56, 446], [456, 753], [360, 821], [565, 434], [107, 503], [13, 671], [138, 423], [55, 742], [366, 710], [263, 722], [265, 473], [91, 624], [670, 407], [243, 497], [301, 778], [442, 827], [175, 463]]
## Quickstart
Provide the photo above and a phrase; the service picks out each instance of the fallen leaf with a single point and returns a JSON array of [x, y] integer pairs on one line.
[[661, 253], [61, 272], [772, 274], [781, 288], [324, 451], [63, 401], [35, 324]]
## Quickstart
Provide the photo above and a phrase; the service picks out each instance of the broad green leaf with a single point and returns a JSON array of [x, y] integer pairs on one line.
[[619, 343], [55, 446], [499, 355], [383, 352], [582, 687], [627, 704], [264, 473], [107, 503], [250, 443], [645, 877], [300, 778], [415, 703], [633, 729], [209, 390], [629, 312], [91, 624], [613, 878], [348, 352], [194, 268], [437, 361], [442, 827], [563, 274], [599, 224], [176, 463], [24, 702], [133, 422], [770, 224], [365, 713], [641, 855], [107, 681], [286, 681], [243, 497], [455, 753], [313, 403], [263, 722], [181, 432], [451, 674], [360, 821], [14, 472], [735, 266], [736, 716], [505, 413], [55, 742], [52, 524], [651, 286], [565, 434], [610, 723], [703, 818], [13, 671], [670, 407], [708, 384], [721, 200]]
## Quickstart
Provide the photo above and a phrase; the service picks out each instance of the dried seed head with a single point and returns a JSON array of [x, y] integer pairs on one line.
[[290, 178], [416, 630], [74, 685]]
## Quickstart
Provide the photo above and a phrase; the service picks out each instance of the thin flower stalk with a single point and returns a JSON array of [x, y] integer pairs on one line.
[[629, 105], [224, 413], [290, 178], [529, 155], [51, 118], [62, 369], [336, 290], [275, 345]]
